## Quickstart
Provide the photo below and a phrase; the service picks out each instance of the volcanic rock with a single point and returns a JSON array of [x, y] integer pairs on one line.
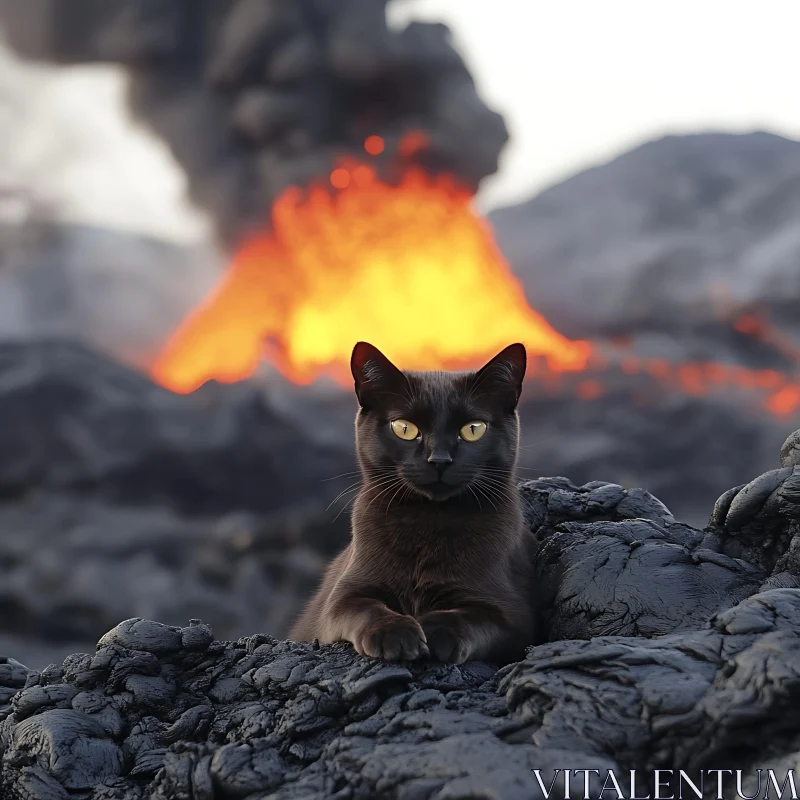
[[71, 568], [671, 236], [118, 497], [666, 650], [80, 423]]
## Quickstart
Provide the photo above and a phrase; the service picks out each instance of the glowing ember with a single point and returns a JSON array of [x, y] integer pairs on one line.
[[409, 267], [786, 401], [374, 145]]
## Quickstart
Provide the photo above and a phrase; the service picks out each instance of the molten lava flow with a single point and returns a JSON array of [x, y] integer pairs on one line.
[[762, 329], [781, 392], [408, 267]]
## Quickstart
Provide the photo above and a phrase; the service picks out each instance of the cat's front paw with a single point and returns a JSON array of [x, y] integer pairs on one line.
[[447, 637], [398, 638]]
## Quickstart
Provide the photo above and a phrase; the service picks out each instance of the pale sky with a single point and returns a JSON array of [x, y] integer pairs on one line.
[[579, 81]]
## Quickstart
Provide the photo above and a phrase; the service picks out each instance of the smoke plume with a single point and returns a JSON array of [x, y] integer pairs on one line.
[[253, 96]]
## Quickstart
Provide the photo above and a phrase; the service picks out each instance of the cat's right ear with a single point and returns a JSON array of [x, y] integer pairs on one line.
[[375, 376], [502, 376]]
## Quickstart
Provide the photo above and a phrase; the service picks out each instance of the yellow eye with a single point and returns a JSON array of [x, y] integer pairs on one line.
[[473, 431], [405, 429]]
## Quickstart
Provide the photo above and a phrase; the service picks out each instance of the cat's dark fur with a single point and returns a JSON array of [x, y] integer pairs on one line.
[[439, 560]]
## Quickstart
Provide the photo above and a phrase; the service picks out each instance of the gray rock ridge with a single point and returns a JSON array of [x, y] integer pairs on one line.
[[667, 647], [119, 293], [79, 422], [669, 238]]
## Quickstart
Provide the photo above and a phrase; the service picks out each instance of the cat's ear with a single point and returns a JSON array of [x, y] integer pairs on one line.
[[375, 376], [501, 378]]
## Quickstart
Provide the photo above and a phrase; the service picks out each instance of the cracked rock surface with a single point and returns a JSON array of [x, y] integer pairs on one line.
[[667, 647]]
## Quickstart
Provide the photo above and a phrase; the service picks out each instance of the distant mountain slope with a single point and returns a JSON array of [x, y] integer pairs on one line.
[[673, 232], [116, 292]]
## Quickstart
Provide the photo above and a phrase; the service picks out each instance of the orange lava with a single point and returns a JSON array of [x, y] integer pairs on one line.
[[782, 392], [762, 329], [340, 178], [590, 389], [407, 266], [410, 267], [374, 145], [786, 401]]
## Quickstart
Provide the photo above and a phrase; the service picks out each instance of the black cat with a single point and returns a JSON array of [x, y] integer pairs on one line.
[[439, 559]]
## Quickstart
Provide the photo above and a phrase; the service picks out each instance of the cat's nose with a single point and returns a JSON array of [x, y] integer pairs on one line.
[[440, 460]]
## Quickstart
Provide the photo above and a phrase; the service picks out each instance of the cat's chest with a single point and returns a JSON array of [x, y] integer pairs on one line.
[[424, 563]]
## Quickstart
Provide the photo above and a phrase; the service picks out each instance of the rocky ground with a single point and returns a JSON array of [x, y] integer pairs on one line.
[[667, 647]]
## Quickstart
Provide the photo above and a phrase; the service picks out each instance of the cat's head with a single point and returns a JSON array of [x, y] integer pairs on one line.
[[441, 433]]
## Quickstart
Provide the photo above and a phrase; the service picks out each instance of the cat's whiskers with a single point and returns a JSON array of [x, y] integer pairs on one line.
[[344, 507], [502, 498], [474, 494], [500, 478], [506, 470], [499, 489], [392, 483], [343, 475], [496, 471], [353, 487], [352, 499], [379, 483], [531, 445], [381, 494], [483, 491], [403, 485], [355, 472]]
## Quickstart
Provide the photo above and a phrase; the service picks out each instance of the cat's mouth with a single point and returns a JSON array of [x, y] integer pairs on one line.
[[439, 490]]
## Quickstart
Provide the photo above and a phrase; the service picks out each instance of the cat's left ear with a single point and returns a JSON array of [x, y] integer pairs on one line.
[[502, 376], [375, 376]]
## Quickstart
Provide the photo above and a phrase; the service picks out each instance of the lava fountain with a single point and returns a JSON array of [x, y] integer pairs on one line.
[[406, 265], [409, 266]]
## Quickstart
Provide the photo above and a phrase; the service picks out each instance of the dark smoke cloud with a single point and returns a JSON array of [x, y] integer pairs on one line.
[[255, 95]]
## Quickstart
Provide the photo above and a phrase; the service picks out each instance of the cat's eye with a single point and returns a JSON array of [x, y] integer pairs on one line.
[[405, 429], [473, 431]]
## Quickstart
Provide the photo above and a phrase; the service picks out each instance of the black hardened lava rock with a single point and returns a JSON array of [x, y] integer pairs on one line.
[[667, 648], [164, 712], [76, 421]]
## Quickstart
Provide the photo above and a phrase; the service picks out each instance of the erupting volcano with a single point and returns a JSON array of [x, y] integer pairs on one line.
[[405, 264], [408, 265]]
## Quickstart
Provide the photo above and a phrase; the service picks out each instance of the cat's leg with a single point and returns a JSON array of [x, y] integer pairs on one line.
[[466, 634], [308, 627], [364, 620]]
